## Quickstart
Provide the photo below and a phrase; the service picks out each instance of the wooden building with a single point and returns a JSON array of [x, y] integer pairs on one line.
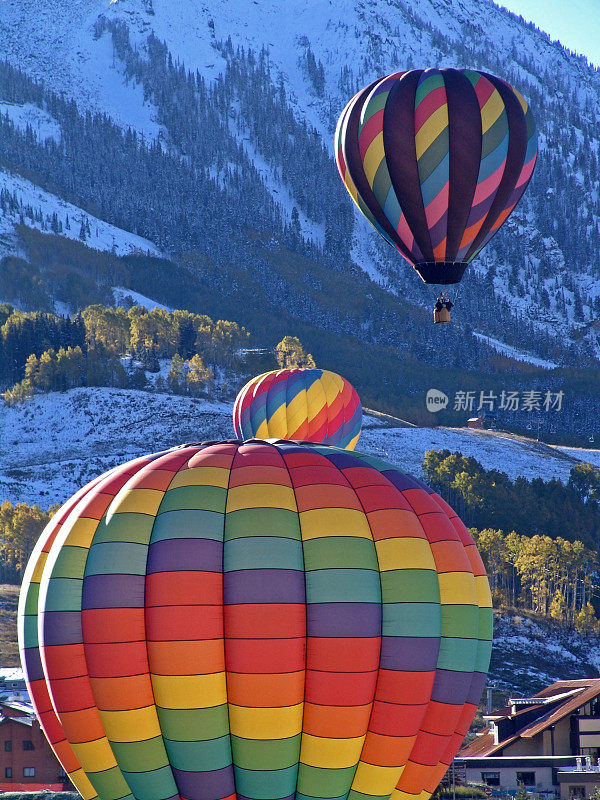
[[546, 742], [25, 755], [476, 422]]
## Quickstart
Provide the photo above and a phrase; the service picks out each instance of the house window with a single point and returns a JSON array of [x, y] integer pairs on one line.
[[8, 745], [29, 772], [577, 792], [526, 778], [8, 772], [491, 778], [28, 744]]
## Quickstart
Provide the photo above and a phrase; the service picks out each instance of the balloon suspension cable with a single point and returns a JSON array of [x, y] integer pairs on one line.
[[444, 295], [458, 288]]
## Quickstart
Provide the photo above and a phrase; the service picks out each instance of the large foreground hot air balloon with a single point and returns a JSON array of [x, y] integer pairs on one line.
[[436, 160], [257, 620], [312, 405]]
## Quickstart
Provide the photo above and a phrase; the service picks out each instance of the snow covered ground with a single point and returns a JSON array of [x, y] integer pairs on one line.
[[103, 235], [281, 193], [119, 293], [589, 456], [53, 40], [515, 456], [529, 654], [54, 443]]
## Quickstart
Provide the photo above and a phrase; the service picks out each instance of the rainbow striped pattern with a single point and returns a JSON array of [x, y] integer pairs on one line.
[[312, 405], [255, 621], [436, 160]]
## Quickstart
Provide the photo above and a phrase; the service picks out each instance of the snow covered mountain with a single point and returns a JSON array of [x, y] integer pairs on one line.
[[542, 270]]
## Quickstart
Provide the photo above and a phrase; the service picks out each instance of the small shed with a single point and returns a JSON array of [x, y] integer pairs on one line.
[[475, 422]]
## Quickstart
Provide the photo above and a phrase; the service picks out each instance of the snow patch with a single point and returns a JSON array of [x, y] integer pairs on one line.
[[584, 455], [282, 196], [53, 40], [529, 654], [53, 444], [120, 294], [104, 75], [43, 125], [406, 447]]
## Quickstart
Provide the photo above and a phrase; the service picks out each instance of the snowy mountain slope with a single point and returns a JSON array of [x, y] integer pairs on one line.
[[57, 442], [536, 261], [590, 456], [513, 455], [54, 443], [121, 295], [51, 38], [28, 115], [102, 235], [53, 41]]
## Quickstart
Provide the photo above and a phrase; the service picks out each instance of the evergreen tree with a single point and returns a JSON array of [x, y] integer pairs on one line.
[[187, 339]]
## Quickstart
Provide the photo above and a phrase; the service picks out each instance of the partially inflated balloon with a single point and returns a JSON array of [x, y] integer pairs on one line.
[[255, 621], [436, 160], [312, 405]]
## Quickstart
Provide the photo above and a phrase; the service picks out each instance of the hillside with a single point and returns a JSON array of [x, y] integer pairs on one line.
[[529, 654], [54, 443], [168, 71], [64, 218]]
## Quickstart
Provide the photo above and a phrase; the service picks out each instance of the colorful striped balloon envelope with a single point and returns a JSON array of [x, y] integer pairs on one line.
[[312, 405], [436, 160], [257, 620]]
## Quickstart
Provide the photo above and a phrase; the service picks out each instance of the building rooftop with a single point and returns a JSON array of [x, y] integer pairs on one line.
[[524, 718], [17, 705]]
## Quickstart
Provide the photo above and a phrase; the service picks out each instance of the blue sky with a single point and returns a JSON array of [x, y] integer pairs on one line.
[[575, 23]]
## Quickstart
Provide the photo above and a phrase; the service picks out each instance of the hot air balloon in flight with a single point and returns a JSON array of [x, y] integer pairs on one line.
[[312, 405], [436, 160], [255, 620]]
